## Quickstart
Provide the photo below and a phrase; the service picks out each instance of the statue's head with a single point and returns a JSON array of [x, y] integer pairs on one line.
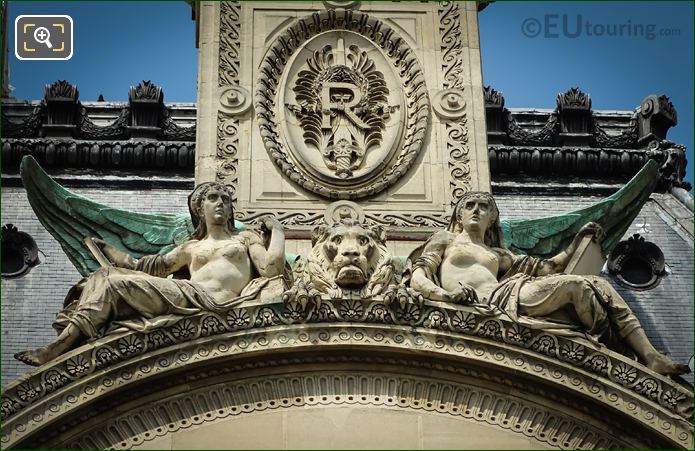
[[210, 203], [477, 210]]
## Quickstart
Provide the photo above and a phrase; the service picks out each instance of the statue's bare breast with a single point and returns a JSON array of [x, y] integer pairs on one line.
[[221, 267], [469, 263]]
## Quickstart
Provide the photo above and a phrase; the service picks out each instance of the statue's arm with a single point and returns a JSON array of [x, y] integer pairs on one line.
[[269, 262], [433, 254], [559, 262], [157, 265]]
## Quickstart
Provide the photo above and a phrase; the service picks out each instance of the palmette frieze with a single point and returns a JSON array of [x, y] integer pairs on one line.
[[403, 323]]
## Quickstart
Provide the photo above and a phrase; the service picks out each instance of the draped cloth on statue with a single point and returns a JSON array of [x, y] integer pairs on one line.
[[123, 298], [535, 302]]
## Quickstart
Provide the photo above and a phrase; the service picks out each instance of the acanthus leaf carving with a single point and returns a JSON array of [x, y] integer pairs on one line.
[[231, 101], [456, 126]]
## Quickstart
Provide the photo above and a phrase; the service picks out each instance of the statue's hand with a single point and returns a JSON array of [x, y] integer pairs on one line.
[[271, 224], [593, 229], [464, 294], [115, 256], [99, 242]]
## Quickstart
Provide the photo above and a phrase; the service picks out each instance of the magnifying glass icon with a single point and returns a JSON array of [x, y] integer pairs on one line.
[[42, 36]]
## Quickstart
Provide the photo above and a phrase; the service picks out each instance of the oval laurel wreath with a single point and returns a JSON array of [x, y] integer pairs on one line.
[[405, 63]]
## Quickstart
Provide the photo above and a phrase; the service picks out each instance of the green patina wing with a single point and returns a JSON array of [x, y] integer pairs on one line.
[[70, 218], [545, 237]]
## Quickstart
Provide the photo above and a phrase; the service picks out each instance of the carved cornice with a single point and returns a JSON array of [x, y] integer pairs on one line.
[[146, 154], [457, 333], [396, 51], [581, 162], [650, 122], [60, 114], [616, 165]]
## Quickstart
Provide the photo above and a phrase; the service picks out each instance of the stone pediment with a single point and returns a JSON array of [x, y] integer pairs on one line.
[[105, 393]]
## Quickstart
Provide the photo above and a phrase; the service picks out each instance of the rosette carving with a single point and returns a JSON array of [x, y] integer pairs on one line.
[[235, 100], [450, 104]]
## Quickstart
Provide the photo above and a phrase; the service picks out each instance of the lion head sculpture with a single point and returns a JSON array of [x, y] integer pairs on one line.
[[347, 258]]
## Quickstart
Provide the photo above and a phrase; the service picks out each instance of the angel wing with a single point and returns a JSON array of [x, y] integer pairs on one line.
[[70, 218], [545, 237]]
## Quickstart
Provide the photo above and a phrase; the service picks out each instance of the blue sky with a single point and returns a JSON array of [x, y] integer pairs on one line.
[[525, 52], [116, 45], [617, 71]]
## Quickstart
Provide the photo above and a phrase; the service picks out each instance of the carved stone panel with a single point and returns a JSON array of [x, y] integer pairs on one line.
[[342, 108], [345, 101]]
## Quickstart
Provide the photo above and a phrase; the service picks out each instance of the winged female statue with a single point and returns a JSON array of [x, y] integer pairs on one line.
[[475, 260], [226, 265], [469, 263]]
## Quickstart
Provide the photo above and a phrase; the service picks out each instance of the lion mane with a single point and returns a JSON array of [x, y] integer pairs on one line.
[[367, 259]]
